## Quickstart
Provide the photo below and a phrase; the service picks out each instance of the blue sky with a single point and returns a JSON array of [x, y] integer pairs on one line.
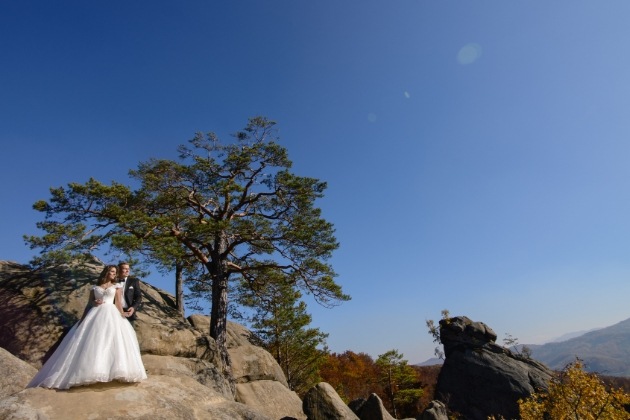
[[475, 152]]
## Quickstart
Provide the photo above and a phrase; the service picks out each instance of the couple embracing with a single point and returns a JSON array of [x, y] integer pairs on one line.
[[131, 296], [102, 346]]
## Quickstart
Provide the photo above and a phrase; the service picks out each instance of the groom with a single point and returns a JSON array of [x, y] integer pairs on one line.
[[132, 296]]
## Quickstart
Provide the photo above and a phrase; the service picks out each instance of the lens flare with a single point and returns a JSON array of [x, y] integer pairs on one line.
[[469, 53]]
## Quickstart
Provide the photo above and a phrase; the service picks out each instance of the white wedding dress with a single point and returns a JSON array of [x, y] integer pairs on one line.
[[101, 348]]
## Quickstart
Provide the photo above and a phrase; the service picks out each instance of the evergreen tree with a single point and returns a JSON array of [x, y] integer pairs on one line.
[[280, 322], [236, 208], [399, 380]]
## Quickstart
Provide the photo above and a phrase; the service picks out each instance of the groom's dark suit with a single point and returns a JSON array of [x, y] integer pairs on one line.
[[132, 295]]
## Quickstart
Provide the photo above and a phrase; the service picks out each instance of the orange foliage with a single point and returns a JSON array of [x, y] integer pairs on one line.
[[353, 375], [428, 376]]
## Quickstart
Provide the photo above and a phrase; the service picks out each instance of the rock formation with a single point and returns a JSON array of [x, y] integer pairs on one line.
[[159, 397], [15, 374], [435, 411], [480, 378], [184, 369], [323, 403], [371, 408]]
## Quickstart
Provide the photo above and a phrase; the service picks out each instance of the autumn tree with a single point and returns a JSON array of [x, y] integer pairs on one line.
[[280, 322], [353, 375], [428, 376], [399, 380], [576, 394], [235, 207]]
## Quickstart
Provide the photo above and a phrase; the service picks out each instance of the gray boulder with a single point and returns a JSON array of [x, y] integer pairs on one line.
[[480, 378], [435, 411], [370, 409], [323, 403]]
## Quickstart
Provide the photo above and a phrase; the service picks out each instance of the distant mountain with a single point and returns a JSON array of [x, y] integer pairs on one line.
[[605, 351], [568, 336], [431, 362]]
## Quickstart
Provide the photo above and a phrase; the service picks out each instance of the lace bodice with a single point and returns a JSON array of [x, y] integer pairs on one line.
[[107, 294]]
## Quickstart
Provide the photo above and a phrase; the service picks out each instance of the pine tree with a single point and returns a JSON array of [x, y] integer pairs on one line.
[[235, 208], [399, 381], [280, 321]]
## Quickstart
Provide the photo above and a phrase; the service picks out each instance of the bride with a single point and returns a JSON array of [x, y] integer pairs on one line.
[[101, 347]]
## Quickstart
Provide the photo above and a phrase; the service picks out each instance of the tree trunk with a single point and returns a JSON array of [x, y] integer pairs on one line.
[[219, 311], [179, 289], [218, 321]]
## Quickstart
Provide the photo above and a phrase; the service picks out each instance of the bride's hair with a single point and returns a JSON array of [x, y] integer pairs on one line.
[[102, 279]]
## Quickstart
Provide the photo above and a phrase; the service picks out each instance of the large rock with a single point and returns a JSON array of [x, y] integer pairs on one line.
[[323, 403], [260, 382], [249, 362], [198, 369], [480, 378], [46, 303], [270, 398], [370, 409], [435, 411], [158, 397], [15, 374], [38, 308]]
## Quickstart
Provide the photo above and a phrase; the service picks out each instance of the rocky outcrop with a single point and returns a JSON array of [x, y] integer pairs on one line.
[[260, 382], [270, 398], [323, 403], [46, 303], [480, 378], [250, 363], [15, 374], [371, 408], [435, 411], [37, 308], [159, 397]]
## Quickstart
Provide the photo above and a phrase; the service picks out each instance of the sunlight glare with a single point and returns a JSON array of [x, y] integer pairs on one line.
[[469, 53]]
